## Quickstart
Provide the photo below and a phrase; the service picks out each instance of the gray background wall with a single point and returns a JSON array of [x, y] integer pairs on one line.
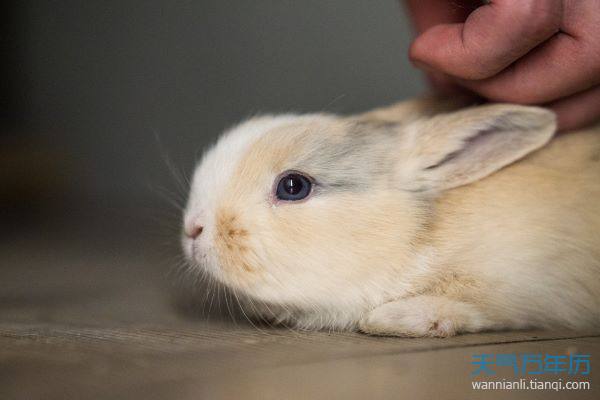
[[103, 78]]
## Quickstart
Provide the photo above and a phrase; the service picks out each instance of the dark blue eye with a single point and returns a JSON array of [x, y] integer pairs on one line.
[[293, 186]]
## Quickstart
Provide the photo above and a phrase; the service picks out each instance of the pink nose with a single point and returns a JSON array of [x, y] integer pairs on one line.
[[194, 231]]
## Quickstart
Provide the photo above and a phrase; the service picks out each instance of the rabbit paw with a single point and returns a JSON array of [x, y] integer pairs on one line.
[[423, 316]]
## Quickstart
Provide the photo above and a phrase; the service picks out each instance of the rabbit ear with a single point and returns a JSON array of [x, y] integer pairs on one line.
[[450, 150]]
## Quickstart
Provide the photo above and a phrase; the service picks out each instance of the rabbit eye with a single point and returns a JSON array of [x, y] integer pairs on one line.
[[293, 186]]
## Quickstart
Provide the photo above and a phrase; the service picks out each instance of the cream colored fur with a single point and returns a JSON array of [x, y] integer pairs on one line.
[[423, 221]]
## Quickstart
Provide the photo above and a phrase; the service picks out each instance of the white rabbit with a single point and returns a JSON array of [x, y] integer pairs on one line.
[[408, 220]]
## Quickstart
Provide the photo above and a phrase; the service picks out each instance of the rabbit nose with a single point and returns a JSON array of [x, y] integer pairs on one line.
[[194, 231]]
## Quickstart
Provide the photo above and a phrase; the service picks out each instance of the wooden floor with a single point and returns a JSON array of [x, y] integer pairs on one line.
[[90, 313]]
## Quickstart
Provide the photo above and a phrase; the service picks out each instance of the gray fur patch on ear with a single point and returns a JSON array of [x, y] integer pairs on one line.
[[458, 148], [353, 162], [470, 142]]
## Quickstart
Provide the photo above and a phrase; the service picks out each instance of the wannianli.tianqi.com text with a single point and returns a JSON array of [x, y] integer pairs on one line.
[[531, 384]]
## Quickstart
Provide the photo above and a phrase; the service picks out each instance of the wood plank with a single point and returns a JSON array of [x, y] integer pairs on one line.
[[96, 364]]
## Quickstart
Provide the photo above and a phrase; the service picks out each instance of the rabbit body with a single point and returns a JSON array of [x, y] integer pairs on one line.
[[420, 221]]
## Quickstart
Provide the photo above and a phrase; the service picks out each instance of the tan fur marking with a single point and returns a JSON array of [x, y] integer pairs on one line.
[[231, 242]]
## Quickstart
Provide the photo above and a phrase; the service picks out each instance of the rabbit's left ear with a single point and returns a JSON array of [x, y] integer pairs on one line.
[[455, 149]]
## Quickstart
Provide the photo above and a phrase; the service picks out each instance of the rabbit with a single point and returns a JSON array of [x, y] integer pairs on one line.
[[417, 219]]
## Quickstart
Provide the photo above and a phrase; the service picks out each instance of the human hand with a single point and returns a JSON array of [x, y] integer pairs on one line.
[[544, 52]]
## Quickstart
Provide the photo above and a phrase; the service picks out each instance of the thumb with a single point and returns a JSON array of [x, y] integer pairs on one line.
[[492, 37]]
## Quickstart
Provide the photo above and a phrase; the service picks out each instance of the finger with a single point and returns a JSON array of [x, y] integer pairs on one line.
[[560, 67], [578, 110], [427, 13], [492, 37]]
